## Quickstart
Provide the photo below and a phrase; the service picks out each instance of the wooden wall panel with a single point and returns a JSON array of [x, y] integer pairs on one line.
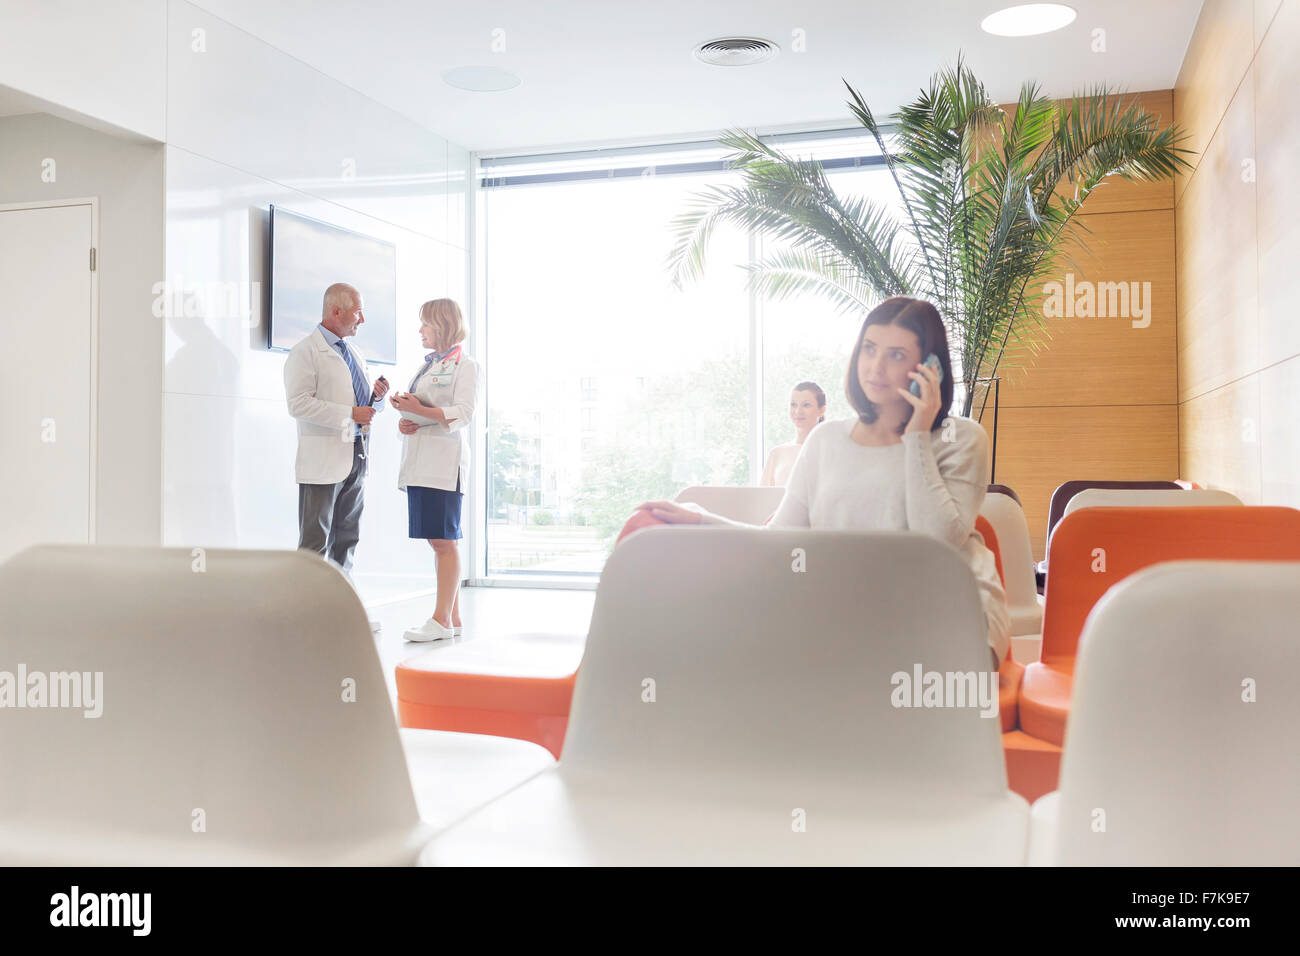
[[1105, 360], [1216, 60], [1039, 448], [1217, 263]]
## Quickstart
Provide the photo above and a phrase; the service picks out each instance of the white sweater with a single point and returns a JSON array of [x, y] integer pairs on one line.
[[931, 482]]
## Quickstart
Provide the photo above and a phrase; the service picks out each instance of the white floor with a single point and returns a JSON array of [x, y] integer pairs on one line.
[[488, 614]]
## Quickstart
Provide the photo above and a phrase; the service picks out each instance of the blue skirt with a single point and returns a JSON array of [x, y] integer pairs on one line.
[[433, 512]]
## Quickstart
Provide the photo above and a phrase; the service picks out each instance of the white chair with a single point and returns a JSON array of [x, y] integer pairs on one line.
[[734, 707], [1161, 747], [752, 504], [1024, 602], [1150, 498], [245, 718]]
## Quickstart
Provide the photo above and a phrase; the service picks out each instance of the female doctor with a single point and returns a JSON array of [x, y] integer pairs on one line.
[[435, 454]]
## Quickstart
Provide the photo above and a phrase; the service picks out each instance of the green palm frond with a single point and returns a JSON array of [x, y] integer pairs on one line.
[[787, 273], [792, 201], [989, 201]]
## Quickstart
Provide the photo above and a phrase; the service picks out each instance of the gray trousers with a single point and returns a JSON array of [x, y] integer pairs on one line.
[[329, 516]]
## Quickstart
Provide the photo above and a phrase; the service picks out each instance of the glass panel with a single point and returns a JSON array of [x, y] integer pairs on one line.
[[606, 387]]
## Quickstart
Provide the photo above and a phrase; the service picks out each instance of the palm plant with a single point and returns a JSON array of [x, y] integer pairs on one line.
[[988, 209]]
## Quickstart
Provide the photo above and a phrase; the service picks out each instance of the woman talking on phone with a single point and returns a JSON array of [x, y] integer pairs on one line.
[[435, 454], [903, 464]]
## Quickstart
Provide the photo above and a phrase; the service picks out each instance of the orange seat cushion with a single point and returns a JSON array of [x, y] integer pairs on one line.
[[1045, 694], [522, 707]]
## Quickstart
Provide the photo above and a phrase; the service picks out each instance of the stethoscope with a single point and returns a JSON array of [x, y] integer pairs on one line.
[[452, 356]]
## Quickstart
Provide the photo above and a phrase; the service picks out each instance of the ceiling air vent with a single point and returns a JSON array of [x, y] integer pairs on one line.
[[736, 51]]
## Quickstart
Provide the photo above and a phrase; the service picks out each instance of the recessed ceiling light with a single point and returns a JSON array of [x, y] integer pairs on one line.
[[480, 79], [736, 51], [1028, 19]]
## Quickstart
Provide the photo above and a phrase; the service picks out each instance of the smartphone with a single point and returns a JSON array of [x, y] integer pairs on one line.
[[933, 362]]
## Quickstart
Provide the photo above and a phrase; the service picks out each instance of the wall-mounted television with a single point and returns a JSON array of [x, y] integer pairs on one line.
[[307, 256]]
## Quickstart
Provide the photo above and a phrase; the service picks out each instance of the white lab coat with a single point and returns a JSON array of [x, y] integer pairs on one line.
[[318, 390], [438, 455]]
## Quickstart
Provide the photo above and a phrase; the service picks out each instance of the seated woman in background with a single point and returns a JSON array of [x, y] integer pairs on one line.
[[903, 464], [807, 410]]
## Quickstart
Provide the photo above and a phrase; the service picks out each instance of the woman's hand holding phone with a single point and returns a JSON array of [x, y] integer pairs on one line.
[[924, 395], [931, 362]]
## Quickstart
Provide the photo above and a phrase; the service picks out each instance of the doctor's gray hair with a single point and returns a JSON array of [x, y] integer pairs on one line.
[[338, 296], [448, 324]]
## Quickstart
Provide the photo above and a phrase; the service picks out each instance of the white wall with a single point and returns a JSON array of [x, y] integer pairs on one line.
[[100, 58], [196, 446], [247, 127], [127, 177]]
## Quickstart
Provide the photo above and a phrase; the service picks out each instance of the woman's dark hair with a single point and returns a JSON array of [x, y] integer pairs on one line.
[[817, 392], [922, 320]]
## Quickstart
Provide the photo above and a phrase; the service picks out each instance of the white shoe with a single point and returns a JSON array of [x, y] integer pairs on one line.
[[456, 630], [375, 626], [430, 630]]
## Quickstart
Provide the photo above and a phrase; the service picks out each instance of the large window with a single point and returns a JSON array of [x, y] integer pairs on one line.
[[606, 386]]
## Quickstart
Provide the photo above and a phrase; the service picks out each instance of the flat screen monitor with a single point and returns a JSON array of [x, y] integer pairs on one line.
[[307, 256]]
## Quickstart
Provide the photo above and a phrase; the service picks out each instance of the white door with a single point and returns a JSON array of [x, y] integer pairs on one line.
[[47, 423]]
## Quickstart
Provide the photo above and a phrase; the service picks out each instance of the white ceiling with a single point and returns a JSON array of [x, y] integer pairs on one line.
[[596, 71]]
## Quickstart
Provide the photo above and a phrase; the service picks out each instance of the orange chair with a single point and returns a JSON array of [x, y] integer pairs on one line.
[[512, 699], [990, 537], [1095, 548], [524, 706], [1032, 765], [1009, 671]]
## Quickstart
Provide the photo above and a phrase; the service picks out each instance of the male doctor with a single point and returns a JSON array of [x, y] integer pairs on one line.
[[329, 393]]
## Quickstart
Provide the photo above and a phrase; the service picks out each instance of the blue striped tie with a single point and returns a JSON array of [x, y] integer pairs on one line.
[[359, 386]]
